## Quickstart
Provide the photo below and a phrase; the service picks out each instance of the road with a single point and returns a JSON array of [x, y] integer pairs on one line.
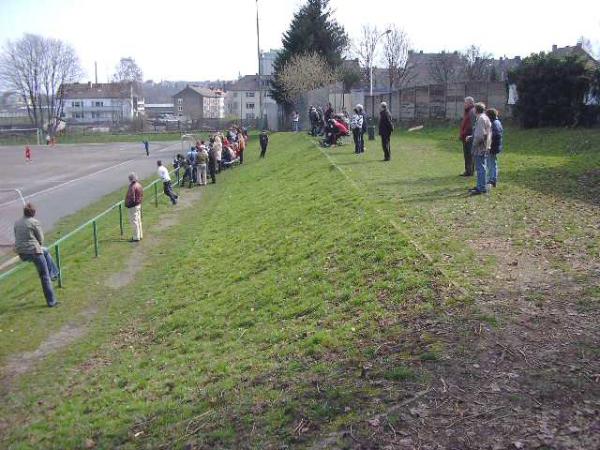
[[63, 179]]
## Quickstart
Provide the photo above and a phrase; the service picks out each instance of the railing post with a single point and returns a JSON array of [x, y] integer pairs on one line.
[[95, 228], [57, 250], [156, 194], [121, 218]]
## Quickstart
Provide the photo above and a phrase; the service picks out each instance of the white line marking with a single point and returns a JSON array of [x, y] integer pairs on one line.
[[53, 188]]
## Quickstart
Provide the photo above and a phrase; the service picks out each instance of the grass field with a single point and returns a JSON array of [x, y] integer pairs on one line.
[[87, 138], [328, 300]]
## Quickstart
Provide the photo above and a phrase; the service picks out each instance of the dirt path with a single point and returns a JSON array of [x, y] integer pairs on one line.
[[21, 363]]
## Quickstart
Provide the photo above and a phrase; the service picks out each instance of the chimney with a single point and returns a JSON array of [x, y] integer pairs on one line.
[[580, 44], [89, 84], [554, 47]]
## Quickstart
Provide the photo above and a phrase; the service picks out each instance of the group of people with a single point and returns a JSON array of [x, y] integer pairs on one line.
[[481, 133], [329, 125]]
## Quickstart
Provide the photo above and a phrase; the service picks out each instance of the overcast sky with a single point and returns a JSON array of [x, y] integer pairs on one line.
[[216, 39]]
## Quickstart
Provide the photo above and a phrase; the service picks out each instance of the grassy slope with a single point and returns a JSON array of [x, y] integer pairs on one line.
[[269, 289], [264, 321]]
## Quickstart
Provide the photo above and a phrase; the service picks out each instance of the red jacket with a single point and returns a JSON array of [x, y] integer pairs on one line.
[[341, 126], [466, 126], [135, 195]]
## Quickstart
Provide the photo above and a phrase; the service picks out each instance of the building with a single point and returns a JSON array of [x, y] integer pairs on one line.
[[195, 103], [154, 110], [575, 50], [244, 97], [97, 103], [267, 60]]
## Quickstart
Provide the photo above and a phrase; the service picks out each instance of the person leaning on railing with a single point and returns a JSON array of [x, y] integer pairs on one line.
[[29, 241]]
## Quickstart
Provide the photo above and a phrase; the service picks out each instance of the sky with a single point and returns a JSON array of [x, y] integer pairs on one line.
[[216, 39]]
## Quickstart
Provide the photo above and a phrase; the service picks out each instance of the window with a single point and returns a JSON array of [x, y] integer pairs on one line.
[[179, 101], [180, 108], [249, 94], [75, 104], [249, 105], [77, 115], [96, 115], [98, 104], [249, 115]]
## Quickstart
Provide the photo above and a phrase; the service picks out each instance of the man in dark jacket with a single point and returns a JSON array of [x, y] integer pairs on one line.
[[386, 126], [264, 142], [466, 129]]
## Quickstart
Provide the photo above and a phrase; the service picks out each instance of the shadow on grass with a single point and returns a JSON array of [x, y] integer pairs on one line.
[[435, 195]]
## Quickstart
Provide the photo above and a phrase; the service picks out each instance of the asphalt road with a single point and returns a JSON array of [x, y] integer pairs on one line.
[[63, 179]]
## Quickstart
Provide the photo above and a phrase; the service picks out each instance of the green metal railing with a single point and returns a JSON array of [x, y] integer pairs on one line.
[[57, 245]]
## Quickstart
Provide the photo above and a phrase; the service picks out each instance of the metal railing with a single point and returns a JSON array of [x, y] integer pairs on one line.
[[95, 232]]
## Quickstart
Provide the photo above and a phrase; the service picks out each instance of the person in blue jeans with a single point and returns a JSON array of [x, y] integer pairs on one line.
[[481, 142], [29, 241], [497, 146]]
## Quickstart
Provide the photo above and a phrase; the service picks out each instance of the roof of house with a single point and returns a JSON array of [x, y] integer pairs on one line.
[[575, 50], [99, 90], [248, 83], [201, 91]]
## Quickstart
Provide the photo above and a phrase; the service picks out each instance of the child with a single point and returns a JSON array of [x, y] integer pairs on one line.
[[264, 142], [497, 145], [27, 154]]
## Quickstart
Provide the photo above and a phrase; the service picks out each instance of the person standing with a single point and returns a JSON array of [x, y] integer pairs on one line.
[[481, 143], [264, 142], [295, 121], [163, 173], [218, 147], [328, 115], [361, 111], [466, 129], [147, 147], [27, 154], [212, 161], [241, 146], [356, 124], [29, 241], [202, 163], [496, 146], [133, 203], [386, 126]]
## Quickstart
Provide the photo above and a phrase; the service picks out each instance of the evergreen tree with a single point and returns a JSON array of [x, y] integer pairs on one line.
[[312, 30], [551, 90]]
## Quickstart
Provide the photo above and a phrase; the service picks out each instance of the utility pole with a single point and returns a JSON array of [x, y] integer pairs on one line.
[[96, 71], [260, 90]]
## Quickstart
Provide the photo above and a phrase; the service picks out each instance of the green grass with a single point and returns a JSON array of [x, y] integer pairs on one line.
[[268, 305], [86, 138]]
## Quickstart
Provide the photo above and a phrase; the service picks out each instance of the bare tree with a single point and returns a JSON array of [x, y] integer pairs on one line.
[[37, 68], [477, 64], [364, 48], [395, 52], [128, 70], [303, 73], [444, 67]]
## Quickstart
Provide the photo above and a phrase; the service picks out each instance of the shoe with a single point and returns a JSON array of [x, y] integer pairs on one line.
[[493, 183], [54, 305], [475, 192], [134, 240], [464, 174]]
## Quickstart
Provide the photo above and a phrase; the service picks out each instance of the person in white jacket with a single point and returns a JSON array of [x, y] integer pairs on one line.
[[482, 142], [356, 125]]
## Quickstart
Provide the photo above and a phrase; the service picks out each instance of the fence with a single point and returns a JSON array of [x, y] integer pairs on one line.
[[439, 101], [94, 225]]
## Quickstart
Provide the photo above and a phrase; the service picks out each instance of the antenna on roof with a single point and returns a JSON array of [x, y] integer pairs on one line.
[[96, 71]]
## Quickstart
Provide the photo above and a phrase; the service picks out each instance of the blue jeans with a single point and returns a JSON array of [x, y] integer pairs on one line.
[[295, 126], [480, 167], [47, 270], [492, 167]]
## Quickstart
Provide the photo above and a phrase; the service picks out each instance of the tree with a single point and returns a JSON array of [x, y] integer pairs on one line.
[[477, 64], [444, 67], [395, 51], [37, 68], [551, 90], [128, 70], [364, 48], [312, 30], [304, 73]]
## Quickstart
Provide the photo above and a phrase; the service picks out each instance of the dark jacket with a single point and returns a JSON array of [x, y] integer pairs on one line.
[[386, 126], [497, 137], [135, 195], [264, 140]]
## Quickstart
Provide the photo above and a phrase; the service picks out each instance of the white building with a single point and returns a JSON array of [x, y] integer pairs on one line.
[[244, 96], [101, 103], [267, 59]]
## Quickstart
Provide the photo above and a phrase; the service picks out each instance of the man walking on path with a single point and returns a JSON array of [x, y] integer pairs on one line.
[[29, 239], [133, 203], [466, 129], [147, 147], [386, 126], [163, 173]]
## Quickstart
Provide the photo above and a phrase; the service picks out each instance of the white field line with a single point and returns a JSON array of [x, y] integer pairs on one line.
[[53, 188], [397, 227]]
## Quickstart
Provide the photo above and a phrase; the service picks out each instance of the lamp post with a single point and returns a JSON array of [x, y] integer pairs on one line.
[[260, 102], [371, 128]]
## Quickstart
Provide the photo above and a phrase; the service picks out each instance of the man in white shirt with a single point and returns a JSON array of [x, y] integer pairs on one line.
[[163, 173]]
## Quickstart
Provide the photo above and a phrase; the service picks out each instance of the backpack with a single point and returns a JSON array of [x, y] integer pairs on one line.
[[364, 124]]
